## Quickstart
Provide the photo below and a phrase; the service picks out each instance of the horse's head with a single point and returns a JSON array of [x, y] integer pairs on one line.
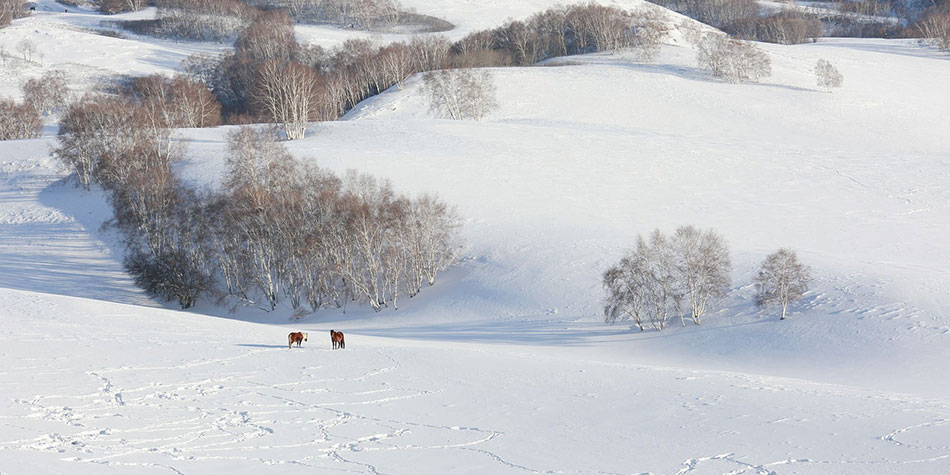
[[304, 337]]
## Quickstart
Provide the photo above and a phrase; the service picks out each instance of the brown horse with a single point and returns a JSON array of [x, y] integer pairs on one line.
[[337, 339], [295, 337]]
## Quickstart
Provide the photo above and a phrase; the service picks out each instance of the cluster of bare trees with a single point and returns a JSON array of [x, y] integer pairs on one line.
[[271, 77], [206, 20], [119, 6], [176, 102], [935, 26], [43, 95], [108, 139], [653, 280], [863, 7], [559, 31], [460, 93], [104, 138], [362, 14], [28, 50], [650, 285], [299, 232], [787, 28], [47, 93], [744, 20], [730, 59], [277, 229], [11, 10], [19, 120], [718, 13]]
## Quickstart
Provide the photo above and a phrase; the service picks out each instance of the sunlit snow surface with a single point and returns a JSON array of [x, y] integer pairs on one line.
[[505, 366]]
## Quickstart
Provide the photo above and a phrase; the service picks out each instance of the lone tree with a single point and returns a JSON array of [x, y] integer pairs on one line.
[[782, 279], [827, 75]]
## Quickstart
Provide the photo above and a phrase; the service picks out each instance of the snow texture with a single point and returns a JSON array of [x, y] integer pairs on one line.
[[505, 366]]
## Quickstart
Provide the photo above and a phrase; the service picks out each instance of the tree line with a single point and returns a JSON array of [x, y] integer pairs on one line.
[[663, 273], [276, 229], [41, 96], [270, 77]]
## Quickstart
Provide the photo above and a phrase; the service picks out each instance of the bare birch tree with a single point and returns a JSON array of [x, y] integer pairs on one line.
[[782, 279], [702, 266], [645, 285], [288, 94]]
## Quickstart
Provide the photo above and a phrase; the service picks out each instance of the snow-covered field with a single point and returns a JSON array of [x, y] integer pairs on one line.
[[505, 366]]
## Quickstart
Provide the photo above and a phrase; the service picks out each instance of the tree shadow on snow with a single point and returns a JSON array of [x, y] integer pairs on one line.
[[255, 345], [524, 332]]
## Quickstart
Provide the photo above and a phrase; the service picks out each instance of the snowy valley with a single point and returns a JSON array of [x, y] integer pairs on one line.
[[506, 365]]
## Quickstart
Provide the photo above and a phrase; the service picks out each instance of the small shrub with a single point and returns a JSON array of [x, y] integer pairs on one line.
[[827, 75], [732, 60]]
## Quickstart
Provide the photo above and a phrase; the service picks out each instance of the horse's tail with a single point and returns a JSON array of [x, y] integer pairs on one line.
[[290, 341]]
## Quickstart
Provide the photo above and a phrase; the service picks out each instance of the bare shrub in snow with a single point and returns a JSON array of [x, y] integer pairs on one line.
[[288, 94], [827, 75], [702, 266], [732, 60], [460, 93], [782, 279], [48, 92], [19, 121]]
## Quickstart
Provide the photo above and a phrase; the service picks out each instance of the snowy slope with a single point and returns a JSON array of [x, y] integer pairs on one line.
[[505, 366], [111, 388]]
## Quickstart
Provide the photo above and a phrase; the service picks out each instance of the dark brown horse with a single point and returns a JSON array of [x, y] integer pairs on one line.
[[296, 337], [337, 339]]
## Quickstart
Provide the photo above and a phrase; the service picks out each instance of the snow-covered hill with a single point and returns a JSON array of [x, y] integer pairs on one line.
[[505, 365]]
